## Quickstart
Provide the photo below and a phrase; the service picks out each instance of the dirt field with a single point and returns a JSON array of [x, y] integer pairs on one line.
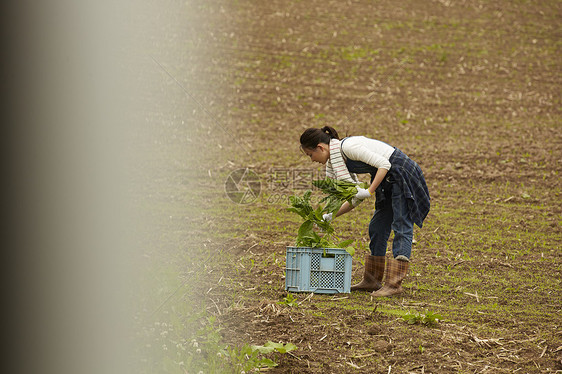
[[468, 89]]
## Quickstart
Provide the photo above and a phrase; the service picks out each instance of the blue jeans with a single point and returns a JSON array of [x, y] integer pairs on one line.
[[392, 215]]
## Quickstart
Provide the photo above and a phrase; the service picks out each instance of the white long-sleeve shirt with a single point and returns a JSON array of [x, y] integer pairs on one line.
[[370, 151]]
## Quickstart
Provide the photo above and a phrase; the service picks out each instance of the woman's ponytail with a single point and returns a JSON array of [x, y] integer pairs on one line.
[[310, 138], [331, 132]]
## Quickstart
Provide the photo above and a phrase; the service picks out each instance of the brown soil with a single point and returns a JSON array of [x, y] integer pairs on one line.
[[470, 90]]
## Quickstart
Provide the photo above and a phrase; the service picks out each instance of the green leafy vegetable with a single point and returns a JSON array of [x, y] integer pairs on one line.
[[306, 236], [271, 346], [280, 347], [301, 205], [338, 192], [347, 245], [313, 218]]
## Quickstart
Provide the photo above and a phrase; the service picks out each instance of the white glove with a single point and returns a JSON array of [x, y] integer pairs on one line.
[[362, 193], [327, 217]]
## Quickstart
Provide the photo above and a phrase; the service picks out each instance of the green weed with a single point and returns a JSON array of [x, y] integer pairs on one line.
[[290, 300], [249, 357], [428, 318]]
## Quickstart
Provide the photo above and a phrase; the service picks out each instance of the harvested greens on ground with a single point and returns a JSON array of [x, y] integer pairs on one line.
[[338, 192], [307, 236]]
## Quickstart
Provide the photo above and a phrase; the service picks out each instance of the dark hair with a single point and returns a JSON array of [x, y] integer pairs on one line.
[[310, 138]]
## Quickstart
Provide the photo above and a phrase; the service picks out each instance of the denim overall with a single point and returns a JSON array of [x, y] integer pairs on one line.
[[391, 212]]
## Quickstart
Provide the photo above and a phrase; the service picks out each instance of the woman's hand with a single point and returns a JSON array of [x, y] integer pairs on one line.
[[379, 176], [362, 193]]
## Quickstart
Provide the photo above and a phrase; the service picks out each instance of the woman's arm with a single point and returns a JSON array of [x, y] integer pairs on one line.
[[379, 176], [346, 207]]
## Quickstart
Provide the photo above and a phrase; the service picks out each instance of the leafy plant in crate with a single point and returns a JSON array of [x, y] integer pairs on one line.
[[307, 236]]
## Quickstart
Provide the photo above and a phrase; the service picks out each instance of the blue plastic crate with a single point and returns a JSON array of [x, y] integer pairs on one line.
[[318, 270]]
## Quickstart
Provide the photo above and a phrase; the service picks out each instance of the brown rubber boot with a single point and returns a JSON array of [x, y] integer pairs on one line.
[[396, 271], [372, 276]]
